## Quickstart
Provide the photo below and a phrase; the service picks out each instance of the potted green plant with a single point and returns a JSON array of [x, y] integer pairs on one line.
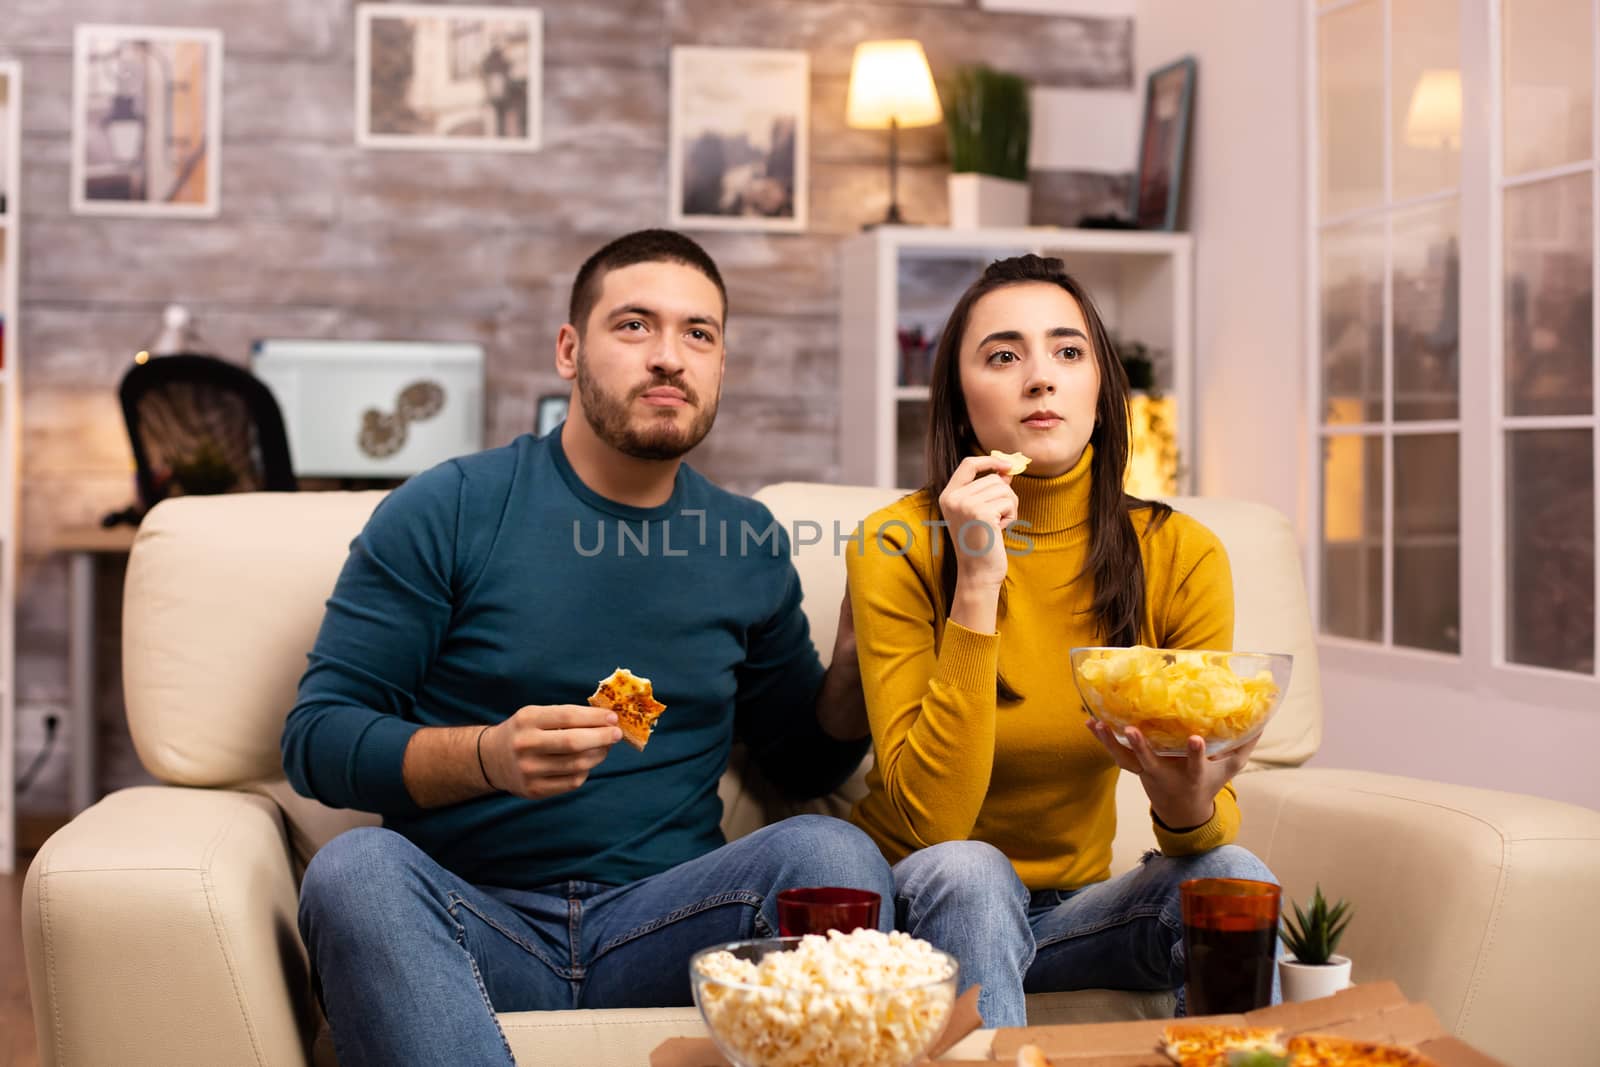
[[987, 122], [1136, 363], [1312, 969]]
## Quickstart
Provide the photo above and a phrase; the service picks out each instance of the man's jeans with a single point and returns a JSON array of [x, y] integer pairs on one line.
[[412, 962], [1124, 933]]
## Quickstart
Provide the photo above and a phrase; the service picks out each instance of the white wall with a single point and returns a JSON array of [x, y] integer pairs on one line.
[[1458, 734], [1246, 207]]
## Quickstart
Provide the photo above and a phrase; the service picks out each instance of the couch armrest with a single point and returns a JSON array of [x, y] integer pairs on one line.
[[1480, 903], [159, 928]]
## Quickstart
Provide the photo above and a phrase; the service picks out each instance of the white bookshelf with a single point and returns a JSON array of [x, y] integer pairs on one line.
[[896, 277], [10, 441]]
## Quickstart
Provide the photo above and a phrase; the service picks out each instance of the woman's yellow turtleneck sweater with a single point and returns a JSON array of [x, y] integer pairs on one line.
[[1026, 776]]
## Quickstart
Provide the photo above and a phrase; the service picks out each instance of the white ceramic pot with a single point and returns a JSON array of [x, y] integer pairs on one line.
[[982, 201], [1308, 981]]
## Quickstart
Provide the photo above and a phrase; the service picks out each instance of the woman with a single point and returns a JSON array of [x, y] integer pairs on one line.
[[993, 794]]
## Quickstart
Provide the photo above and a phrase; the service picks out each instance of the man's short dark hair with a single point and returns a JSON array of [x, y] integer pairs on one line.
[[642, 246]]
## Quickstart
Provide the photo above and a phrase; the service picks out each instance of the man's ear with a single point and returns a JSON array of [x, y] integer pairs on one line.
[[567, 352]]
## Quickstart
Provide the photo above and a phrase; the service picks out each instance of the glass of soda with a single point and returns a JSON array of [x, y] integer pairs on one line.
[[818, 909], [1230, 943]]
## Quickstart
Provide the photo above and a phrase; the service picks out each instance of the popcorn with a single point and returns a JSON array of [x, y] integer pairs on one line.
[[862, 999], [1169, 695]]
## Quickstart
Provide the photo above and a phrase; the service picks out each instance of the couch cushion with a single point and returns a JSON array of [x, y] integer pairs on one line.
[[223, 600], [1271, 614]]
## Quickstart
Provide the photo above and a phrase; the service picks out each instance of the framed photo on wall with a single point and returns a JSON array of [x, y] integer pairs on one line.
[[146, 121], [7, 108], [434, 76], [1163, 145], [738, 143]]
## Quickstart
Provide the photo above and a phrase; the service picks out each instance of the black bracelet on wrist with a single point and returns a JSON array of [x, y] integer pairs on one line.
[[481, 768], [1182, 829]]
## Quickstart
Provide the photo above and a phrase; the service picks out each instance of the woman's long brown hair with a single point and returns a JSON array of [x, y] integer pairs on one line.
[[1114, 564]]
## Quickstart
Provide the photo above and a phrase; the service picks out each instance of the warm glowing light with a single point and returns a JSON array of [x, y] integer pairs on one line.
[[1153, 457], [890, 82], [1434, 117]]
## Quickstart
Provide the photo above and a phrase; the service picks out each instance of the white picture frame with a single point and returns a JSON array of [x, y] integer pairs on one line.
[[474, 77], [752, 100], [146, 121]]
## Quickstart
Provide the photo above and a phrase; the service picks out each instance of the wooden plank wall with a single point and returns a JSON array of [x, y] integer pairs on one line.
[[318, 237]]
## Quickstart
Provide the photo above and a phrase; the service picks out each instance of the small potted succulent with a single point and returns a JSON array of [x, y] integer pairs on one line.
[[1312, 969]]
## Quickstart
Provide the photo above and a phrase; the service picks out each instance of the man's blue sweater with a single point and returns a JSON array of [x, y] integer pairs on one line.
[[500, 580]]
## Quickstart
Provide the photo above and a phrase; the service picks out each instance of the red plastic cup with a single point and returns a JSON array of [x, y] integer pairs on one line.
[[820, 909], [1230, 941]]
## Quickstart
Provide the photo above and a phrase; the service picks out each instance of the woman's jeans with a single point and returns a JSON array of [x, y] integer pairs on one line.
[[1124, 933]]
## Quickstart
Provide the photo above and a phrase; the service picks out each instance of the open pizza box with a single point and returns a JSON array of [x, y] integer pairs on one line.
[[1376, 1012]]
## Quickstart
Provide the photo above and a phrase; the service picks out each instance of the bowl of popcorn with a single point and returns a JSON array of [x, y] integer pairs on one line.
[[1169, 695], [862, 999]]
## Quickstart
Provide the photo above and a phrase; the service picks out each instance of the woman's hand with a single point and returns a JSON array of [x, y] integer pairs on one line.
[[978, 504], [1182, 789]]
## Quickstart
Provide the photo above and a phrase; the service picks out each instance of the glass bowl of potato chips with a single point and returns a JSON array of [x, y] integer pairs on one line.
[[1169, 695]]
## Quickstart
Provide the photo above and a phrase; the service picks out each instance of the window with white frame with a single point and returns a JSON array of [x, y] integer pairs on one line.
[[1430, 439], [1544, 414]]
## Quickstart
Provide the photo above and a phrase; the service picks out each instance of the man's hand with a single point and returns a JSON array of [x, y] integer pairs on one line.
[[844, 640], [547, 750], [1182, 789], [841, 705]]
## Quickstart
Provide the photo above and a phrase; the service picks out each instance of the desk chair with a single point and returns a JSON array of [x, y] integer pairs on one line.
[[201, 425]]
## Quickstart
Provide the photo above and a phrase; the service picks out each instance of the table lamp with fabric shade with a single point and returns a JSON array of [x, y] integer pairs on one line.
[[891, 87]]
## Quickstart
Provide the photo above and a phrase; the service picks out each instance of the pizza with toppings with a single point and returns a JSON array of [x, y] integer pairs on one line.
[[1311, 1050], [1210, 1046], [1237, 1046], [632, 698]]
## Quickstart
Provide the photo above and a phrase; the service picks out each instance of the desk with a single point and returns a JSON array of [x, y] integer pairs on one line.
[[82, 544]]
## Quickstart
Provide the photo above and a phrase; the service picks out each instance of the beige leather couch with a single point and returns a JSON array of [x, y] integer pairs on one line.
[[160, 924]]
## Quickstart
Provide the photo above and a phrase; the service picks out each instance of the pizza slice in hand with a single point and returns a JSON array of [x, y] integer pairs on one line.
[[634, 702]]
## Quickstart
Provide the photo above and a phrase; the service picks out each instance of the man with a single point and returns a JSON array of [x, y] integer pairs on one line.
[[526, 860]]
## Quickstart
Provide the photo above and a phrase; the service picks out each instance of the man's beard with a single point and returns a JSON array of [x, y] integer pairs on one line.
[[660, 438]]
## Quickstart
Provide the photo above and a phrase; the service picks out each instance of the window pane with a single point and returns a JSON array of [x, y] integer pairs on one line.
[[1425, 110], [1427, 542], [1549, 298], [1352, 537], [1550, 549], [1427, 313], [1350, 100], [1549, 82], [1352, 323]]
